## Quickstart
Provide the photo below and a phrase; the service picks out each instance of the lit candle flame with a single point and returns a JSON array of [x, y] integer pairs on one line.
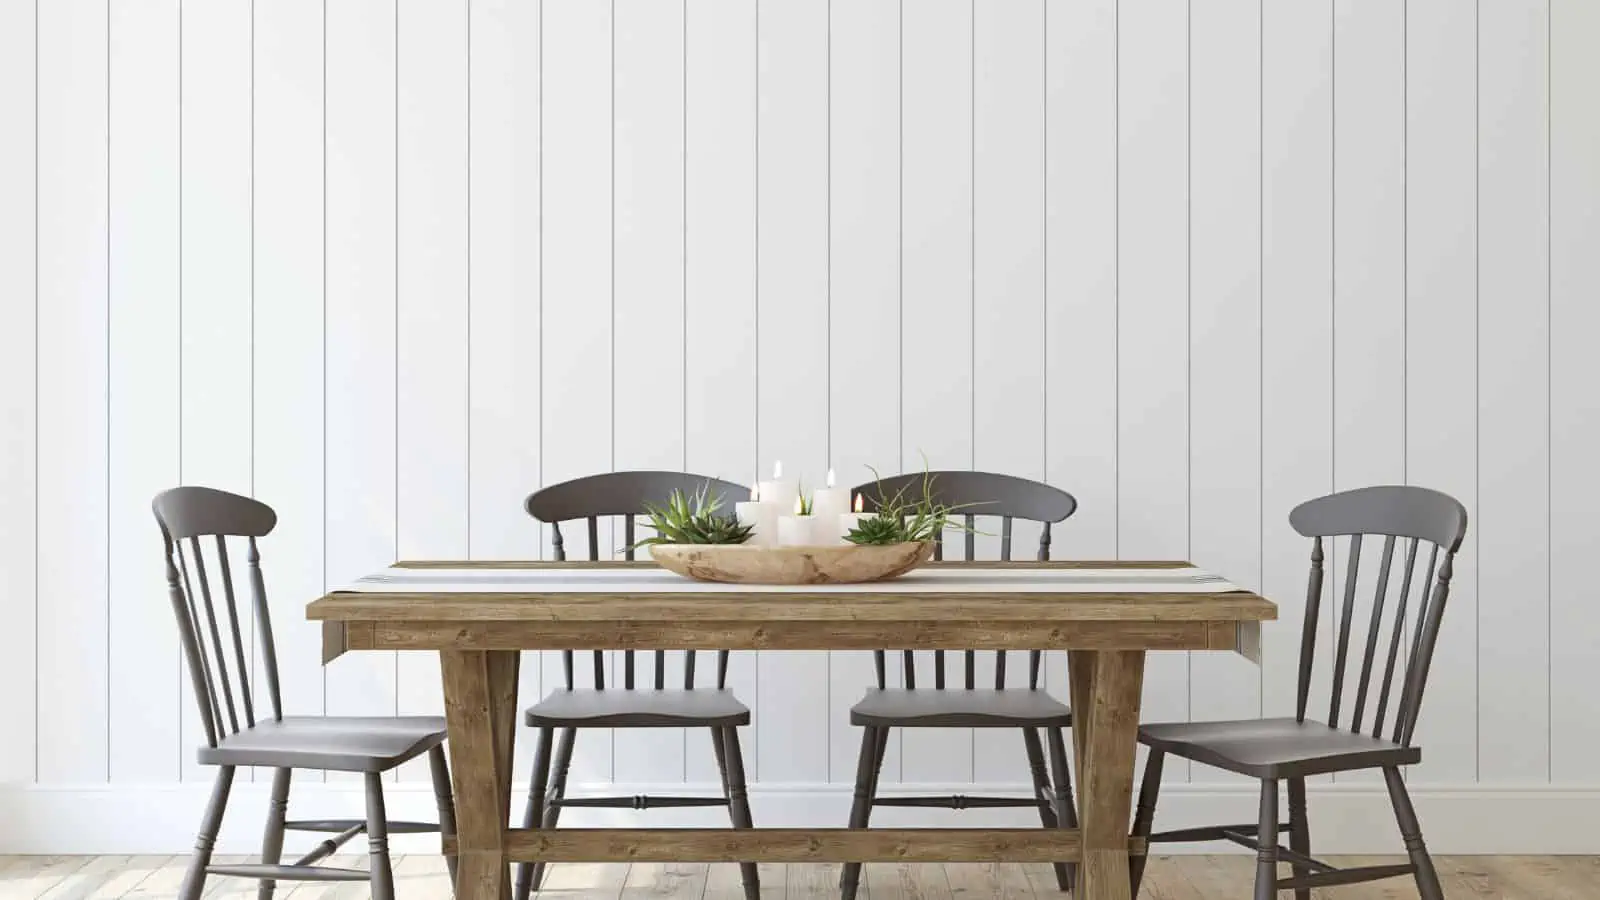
[[830, 478], [799, 506], [777, 470], [859, 505]]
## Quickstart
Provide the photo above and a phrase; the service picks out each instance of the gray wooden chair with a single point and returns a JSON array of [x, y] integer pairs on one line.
[[653, 705], [1289, 750], [1031, 711], [210, 632]]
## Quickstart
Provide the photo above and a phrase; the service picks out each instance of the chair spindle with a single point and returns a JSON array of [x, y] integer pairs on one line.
[[1347, 613], [269, 652], [1395, 638], [221, 655], [238, 641], [1308, 633], [1403, 703], [1005, 539], [1372, 634]]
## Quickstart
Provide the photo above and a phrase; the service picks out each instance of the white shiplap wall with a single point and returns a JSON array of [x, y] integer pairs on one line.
[[391, 265]]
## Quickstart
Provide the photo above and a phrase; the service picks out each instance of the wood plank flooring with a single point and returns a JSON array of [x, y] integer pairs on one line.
[[422, 877]]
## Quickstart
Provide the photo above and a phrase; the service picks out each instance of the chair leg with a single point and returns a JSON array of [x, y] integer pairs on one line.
[[739, 806], [869, 766], [1299, 831], [721, 751], [378, 840], [533, 814], [446, 804], [1066, 806], [1144, 818], [194, 881], [1267, 840], [1042, 794], [1427, 878], [558, 790], [272, 840]]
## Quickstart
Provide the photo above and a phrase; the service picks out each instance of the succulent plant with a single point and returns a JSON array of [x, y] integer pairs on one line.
[[877, 530], [693, 519], [903, 517]]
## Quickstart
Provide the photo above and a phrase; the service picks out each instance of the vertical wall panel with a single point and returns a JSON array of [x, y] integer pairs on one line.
[[1369, 283], [792, 291], [505, 301], [1225, 331], [1574, 197], [1081, 272], [650, 340], [72, 381], [289, 383], [1441, 345], [359, 344], [1296, 316], [1514, 399], [720, 274], [578, 356], [431, 309], [1153, 326], [1008, 284], [145, 387], [936, 272], [18, 395]]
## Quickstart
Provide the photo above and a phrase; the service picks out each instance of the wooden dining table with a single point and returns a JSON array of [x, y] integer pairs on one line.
[[479, 616]]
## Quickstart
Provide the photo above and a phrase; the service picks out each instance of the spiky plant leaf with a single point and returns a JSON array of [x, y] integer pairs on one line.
[[693, 519], [876, 531]]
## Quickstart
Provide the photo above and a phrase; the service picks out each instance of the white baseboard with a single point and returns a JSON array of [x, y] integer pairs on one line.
[[1354, 818]]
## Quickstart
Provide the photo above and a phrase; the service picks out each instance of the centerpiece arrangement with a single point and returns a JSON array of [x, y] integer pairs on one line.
[[784, 536]]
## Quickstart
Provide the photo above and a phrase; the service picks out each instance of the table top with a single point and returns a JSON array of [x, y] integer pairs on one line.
[[1053, 592]]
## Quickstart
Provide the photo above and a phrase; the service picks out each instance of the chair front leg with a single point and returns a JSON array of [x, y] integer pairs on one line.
[[382, 874], [194, 881], [739, 806], [1144, 817], [272, 839], [1411, 833], [1044, 796], [1299, 832], [534, 813], [446, 804], [1066, 807], [557, 791], [1267, 842], [868, 764]]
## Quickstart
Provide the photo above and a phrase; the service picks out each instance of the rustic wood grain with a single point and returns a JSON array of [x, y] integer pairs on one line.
[[480, 722], [798, 845], [1106, 774], [746, 564]]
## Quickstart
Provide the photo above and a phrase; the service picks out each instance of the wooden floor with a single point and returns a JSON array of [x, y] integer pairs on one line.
[[423, 878]]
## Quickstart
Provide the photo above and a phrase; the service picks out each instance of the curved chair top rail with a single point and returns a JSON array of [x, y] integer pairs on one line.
[[623, 494], [979, 493], [189, 511], [1398, 510]]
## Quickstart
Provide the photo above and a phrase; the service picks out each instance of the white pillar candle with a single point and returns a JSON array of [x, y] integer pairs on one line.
[[762, 516], [782, 491], [796, 530], [849, 520], [827, 505]]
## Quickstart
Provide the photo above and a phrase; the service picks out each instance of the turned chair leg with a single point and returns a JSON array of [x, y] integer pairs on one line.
[[378, 840], [1144, 817], [534, 813], [873, 743], [272, 840], [1043, 795], [553, 796], [1066, 806], [446, 804], [1267, 841], [1411, 832], [194, 881], [1299, 832], [739, 805]]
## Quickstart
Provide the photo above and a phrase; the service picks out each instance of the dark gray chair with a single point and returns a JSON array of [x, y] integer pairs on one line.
[[1289, 750], [190, 518], [1031, 711], [625, 495]]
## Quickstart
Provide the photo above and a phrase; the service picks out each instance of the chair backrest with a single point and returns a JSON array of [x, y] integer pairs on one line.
[[191, 517], [625, 495], [1406, 518], [978, 495]]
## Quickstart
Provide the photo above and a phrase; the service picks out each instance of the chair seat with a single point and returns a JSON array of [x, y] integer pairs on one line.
[[326, 742], [1276, 748], [701, 707], [950, 708]]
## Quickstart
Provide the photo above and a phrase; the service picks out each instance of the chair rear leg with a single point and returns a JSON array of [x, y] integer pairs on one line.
[[1144, 817], [1299, 831], [378, 840], [534, 813], [558, 790], [445, 801], [1267, 841], [272, 839], [1427, 878], [868, 764], [194, 881], [739, 806], [1042, 794], [1066, 807]]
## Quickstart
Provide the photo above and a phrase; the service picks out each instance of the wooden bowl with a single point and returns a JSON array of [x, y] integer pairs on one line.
[[745, 564]]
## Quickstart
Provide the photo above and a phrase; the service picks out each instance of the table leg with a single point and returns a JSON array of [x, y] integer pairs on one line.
[[480, 698], [1106, 688]]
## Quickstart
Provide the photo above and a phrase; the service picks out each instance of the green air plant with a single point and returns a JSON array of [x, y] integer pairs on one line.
[[693, 519], [903, 517]]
